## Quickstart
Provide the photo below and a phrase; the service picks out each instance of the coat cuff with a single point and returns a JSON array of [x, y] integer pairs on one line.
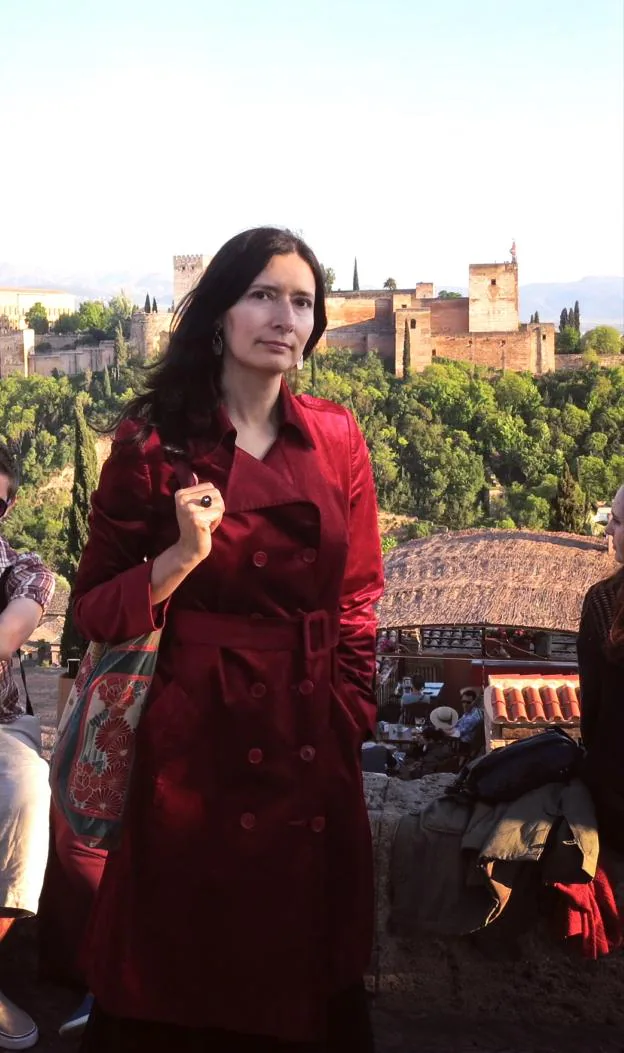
[[120, 609]]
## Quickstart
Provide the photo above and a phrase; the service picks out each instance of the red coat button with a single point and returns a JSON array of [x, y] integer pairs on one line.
[[306, 687], [258, 690], [260, 559], [307, 753], [248, 820], [309, 555], [255, 756], [318, 824]]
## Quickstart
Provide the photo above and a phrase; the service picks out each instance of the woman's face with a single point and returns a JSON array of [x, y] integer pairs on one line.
[[269, 327], [615, 526]]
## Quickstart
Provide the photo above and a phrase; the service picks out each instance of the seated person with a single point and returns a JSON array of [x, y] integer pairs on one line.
[[415, 703], [377, 758], [26, 590], [470, 729]]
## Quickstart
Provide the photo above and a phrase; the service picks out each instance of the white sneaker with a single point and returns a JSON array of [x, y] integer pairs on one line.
[[17, 1029]]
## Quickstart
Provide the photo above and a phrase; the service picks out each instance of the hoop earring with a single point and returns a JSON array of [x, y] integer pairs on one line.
[[217, 343]]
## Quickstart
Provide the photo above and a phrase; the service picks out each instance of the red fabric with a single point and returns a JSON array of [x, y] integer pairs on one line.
[[591, 913], [241, 896], [70, 885]]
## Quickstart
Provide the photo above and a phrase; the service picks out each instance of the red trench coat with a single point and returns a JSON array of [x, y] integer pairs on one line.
[[242, 894]]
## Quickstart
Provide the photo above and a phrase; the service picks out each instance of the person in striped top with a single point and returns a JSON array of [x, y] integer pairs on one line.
[[26, 588]]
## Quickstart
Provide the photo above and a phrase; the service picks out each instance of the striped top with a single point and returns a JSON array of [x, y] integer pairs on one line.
[[29, 578]]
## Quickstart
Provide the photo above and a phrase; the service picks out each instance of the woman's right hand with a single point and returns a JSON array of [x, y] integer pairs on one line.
[[196, 522]]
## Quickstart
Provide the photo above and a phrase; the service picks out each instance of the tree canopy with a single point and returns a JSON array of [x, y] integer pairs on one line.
[[604, 340], [37, 318]]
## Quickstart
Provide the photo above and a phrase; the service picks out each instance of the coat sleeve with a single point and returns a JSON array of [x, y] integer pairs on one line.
[[112, 599], [361, 588], [590, 659]]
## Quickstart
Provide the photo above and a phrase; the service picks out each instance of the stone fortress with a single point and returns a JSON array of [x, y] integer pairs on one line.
[[482, 328]]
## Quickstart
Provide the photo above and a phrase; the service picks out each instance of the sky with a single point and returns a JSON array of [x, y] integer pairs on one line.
[[417, 136]]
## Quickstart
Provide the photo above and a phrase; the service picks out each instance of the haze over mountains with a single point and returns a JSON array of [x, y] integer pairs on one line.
[[601, 299]]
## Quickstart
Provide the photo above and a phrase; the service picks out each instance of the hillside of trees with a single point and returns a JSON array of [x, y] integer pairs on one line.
[[454, 446]]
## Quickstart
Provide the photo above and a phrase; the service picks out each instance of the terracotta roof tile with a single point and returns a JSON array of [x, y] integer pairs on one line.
[[533, 699]]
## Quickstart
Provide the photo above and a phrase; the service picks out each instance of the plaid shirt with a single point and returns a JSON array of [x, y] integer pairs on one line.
[[29, 578]]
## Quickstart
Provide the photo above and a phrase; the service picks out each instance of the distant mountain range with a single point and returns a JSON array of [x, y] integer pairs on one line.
[[601, 299]]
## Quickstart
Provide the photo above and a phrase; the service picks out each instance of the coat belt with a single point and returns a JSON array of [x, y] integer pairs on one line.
[[313, 633]]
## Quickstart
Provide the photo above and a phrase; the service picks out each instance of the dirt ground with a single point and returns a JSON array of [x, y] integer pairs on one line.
[[398, 1030]]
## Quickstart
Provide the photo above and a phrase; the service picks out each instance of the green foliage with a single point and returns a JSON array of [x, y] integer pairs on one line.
[[444, 294], [604, 340], [37, 318], [85, 481], [407, 356], [147, 306], [563, 319], [567, 341], [356, 279], [438, 440], [570, 508], [390, 284], [577, 317], [329, 278], [154, 305]]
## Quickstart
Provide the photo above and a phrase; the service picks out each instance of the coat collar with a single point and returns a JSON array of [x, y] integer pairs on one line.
[[291, 414]]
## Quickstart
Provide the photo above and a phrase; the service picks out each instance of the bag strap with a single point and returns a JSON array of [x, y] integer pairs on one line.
[[3, 603]]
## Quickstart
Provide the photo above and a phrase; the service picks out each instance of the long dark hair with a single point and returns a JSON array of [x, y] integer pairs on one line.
[[183, 389]]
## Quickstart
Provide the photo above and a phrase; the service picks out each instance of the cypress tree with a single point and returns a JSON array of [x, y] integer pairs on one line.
[[85, 481], [407, 358], [106, 384], [356, 279], [154, 305], [571, 317], [570, 506], [577, 316], [121, 349], [148, 307], [536, 319], [563, 320]]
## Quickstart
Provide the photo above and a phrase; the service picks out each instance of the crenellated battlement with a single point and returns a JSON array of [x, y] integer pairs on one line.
[[187, 270]]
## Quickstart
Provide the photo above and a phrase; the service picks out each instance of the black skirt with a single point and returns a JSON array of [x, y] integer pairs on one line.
[[348, 1028]]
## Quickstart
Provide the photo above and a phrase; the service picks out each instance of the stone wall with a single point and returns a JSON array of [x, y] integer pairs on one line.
[[493, 295], [68, 342], [419, 326], [94, 357], [149, 333], [450, 316], [14, 350], [531, 348], [343, 311], [569, 362]]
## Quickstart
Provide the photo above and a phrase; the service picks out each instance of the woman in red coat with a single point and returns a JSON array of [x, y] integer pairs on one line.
[[237, 912]]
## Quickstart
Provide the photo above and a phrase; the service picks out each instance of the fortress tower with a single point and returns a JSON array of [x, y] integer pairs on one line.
[[493, 298], [187, 270]]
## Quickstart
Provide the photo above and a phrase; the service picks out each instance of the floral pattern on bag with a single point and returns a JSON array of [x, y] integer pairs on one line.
[[94, 752]]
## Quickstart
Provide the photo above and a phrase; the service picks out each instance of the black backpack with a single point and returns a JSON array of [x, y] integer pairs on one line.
[[507, 773], [3, 602]]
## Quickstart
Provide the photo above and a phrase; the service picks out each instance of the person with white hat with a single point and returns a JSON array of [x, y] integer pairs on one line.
[[443, 718]]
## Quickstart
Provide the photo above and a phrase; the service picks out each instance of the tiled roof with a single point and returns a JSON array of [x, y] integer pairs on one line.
[[533, 700]]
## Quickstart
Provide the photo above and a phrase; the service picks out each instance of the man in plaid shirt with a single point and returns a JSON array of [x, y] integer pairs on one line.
[[28, 587]]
